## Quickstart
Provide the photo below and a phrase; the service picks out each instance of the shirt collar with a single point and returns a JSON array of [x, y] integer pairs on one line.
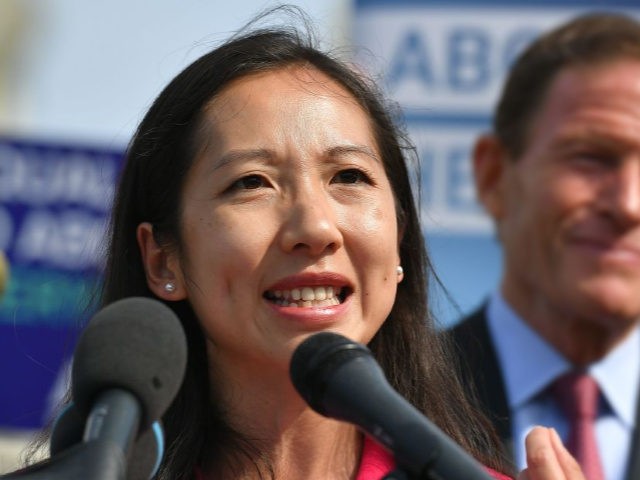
[[618, 375], [529, 363]]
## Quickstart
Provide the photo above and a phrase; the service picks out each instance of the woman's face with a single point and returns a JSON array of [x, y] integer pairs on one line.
[[288, 220]]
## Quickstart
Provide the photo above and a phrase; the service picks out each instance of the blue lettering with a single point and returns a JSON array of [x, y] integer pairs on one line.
[[39, 178], [69, 240], [427, 162], [469, 68], [411, 60], [472, 59], [460, 191]]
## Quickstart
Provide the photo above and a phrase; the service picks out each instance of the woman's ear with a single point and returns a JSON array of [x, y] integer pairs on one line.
[[162, 268], [489, 168]]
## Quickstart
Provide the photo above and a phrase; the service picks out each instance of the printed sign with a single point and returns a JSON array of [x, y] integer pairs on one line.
[[54, 205]]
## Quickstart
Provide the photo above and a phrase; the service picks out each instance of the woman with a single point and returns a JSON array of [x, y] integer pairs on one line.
[[266, 197]]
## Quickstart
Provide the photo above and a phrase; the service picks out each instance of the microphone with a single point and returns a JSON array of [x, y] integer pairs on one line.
[[146, 454], [340, 379], [135, 345], [127, 368]]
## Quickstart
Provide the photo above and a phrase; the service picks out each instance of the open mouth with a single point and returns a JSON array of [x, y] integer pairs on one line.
[[316, 296]]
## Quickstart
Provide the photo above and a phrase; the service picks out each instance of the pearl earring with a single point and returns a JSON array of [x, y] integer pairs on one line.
[[399, 270], [169, 287]]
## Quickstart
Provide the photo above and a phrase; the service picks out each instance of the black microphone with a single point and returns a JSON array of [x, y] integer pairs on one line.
[[339, 378], [144, 459], [127, 368], [135, 345]]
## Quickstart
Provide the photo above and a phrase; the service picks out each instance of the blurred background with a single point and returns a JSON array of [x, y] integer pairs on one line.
[[76, 78]]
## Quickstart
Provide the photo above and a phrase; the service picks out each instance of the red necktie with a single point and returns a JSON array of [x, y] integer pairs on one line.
[[577, 395]]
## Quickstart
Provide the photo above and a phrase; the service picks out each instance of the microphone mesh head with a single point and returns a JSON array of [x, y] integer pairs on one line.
[[136, 344], [315, 360]]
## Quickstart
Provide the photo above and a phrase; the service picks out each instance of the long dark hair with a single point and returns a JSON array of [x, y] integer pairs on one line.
[[158, 158]]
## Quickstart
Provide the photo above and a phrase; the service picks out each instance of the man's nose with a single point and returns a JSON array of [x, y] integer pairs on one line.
[[625, 191]]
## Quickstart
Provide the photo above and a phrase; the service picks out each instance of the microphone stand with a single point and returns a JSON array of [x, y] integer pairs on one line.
[[108, 437]]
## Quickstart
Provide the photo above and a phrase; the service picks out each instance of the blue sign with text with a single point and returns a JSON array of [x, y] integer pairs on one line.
[[54, 205]]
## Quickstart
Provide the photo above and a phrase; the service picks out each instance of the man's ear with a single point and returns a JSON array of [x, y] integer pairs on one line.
[[164, 275], [489, 171]]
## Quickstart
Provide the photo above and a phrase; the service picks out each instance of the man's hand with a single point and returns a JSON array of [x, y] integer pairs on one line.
[[547, 458]]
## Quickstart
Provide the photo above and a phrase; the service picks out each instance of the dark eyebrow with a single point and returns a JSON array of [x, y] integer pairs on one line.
[[248, 154], [351, 149], [266, 154], [592, 136]]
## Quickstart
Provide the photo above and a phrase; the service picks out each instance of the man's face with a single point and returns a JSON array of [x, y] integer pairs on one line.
[[568, 209]]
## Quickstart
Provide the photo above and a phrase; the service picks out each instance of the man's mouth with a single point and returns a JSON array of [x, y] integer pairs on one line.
[[316, 296]]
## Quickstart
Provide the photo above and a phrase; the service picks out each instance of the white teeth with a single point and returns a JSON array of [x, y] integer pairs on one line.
[[312, 303], [319, 296], [307, 293], [320, 293]]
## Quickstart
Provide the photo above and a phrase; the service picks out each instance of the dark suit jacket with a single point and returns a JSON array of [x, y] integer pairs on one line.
[[480, 370]]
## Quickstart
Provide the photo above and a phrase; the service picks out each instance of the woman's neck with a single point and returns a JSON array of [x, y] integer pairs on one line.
[[293, 441], [308, 448]]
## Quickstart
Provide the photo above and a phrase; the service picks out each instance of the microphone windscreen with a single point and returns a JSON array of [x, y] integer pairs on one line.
[[136, 344], [147, 454], [314, 361]]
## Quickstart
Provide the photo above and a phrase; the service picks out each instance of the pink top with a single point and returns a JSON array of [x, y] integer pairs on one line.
[[377, 462]]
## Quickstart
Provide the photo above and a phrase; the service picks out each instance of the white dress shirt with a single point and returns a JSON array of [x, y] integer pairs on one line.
[[529, 365]]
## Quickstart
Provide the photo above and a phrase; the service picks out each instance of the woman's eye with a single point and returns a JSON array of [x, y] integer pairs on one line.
[[250, 182], [351, 175]]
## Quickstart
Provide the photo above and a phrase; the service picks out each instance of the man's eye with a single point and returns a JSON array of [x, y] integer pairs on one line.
[[351, 175], [594, 162]]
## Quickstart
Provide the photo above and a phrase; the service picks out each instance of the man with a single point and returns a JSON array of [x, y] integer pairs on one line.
[[560, 176]]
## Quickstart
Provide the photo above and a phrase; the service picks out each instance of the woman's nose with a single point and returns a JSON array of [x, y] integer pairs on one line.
[[311, 225]]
